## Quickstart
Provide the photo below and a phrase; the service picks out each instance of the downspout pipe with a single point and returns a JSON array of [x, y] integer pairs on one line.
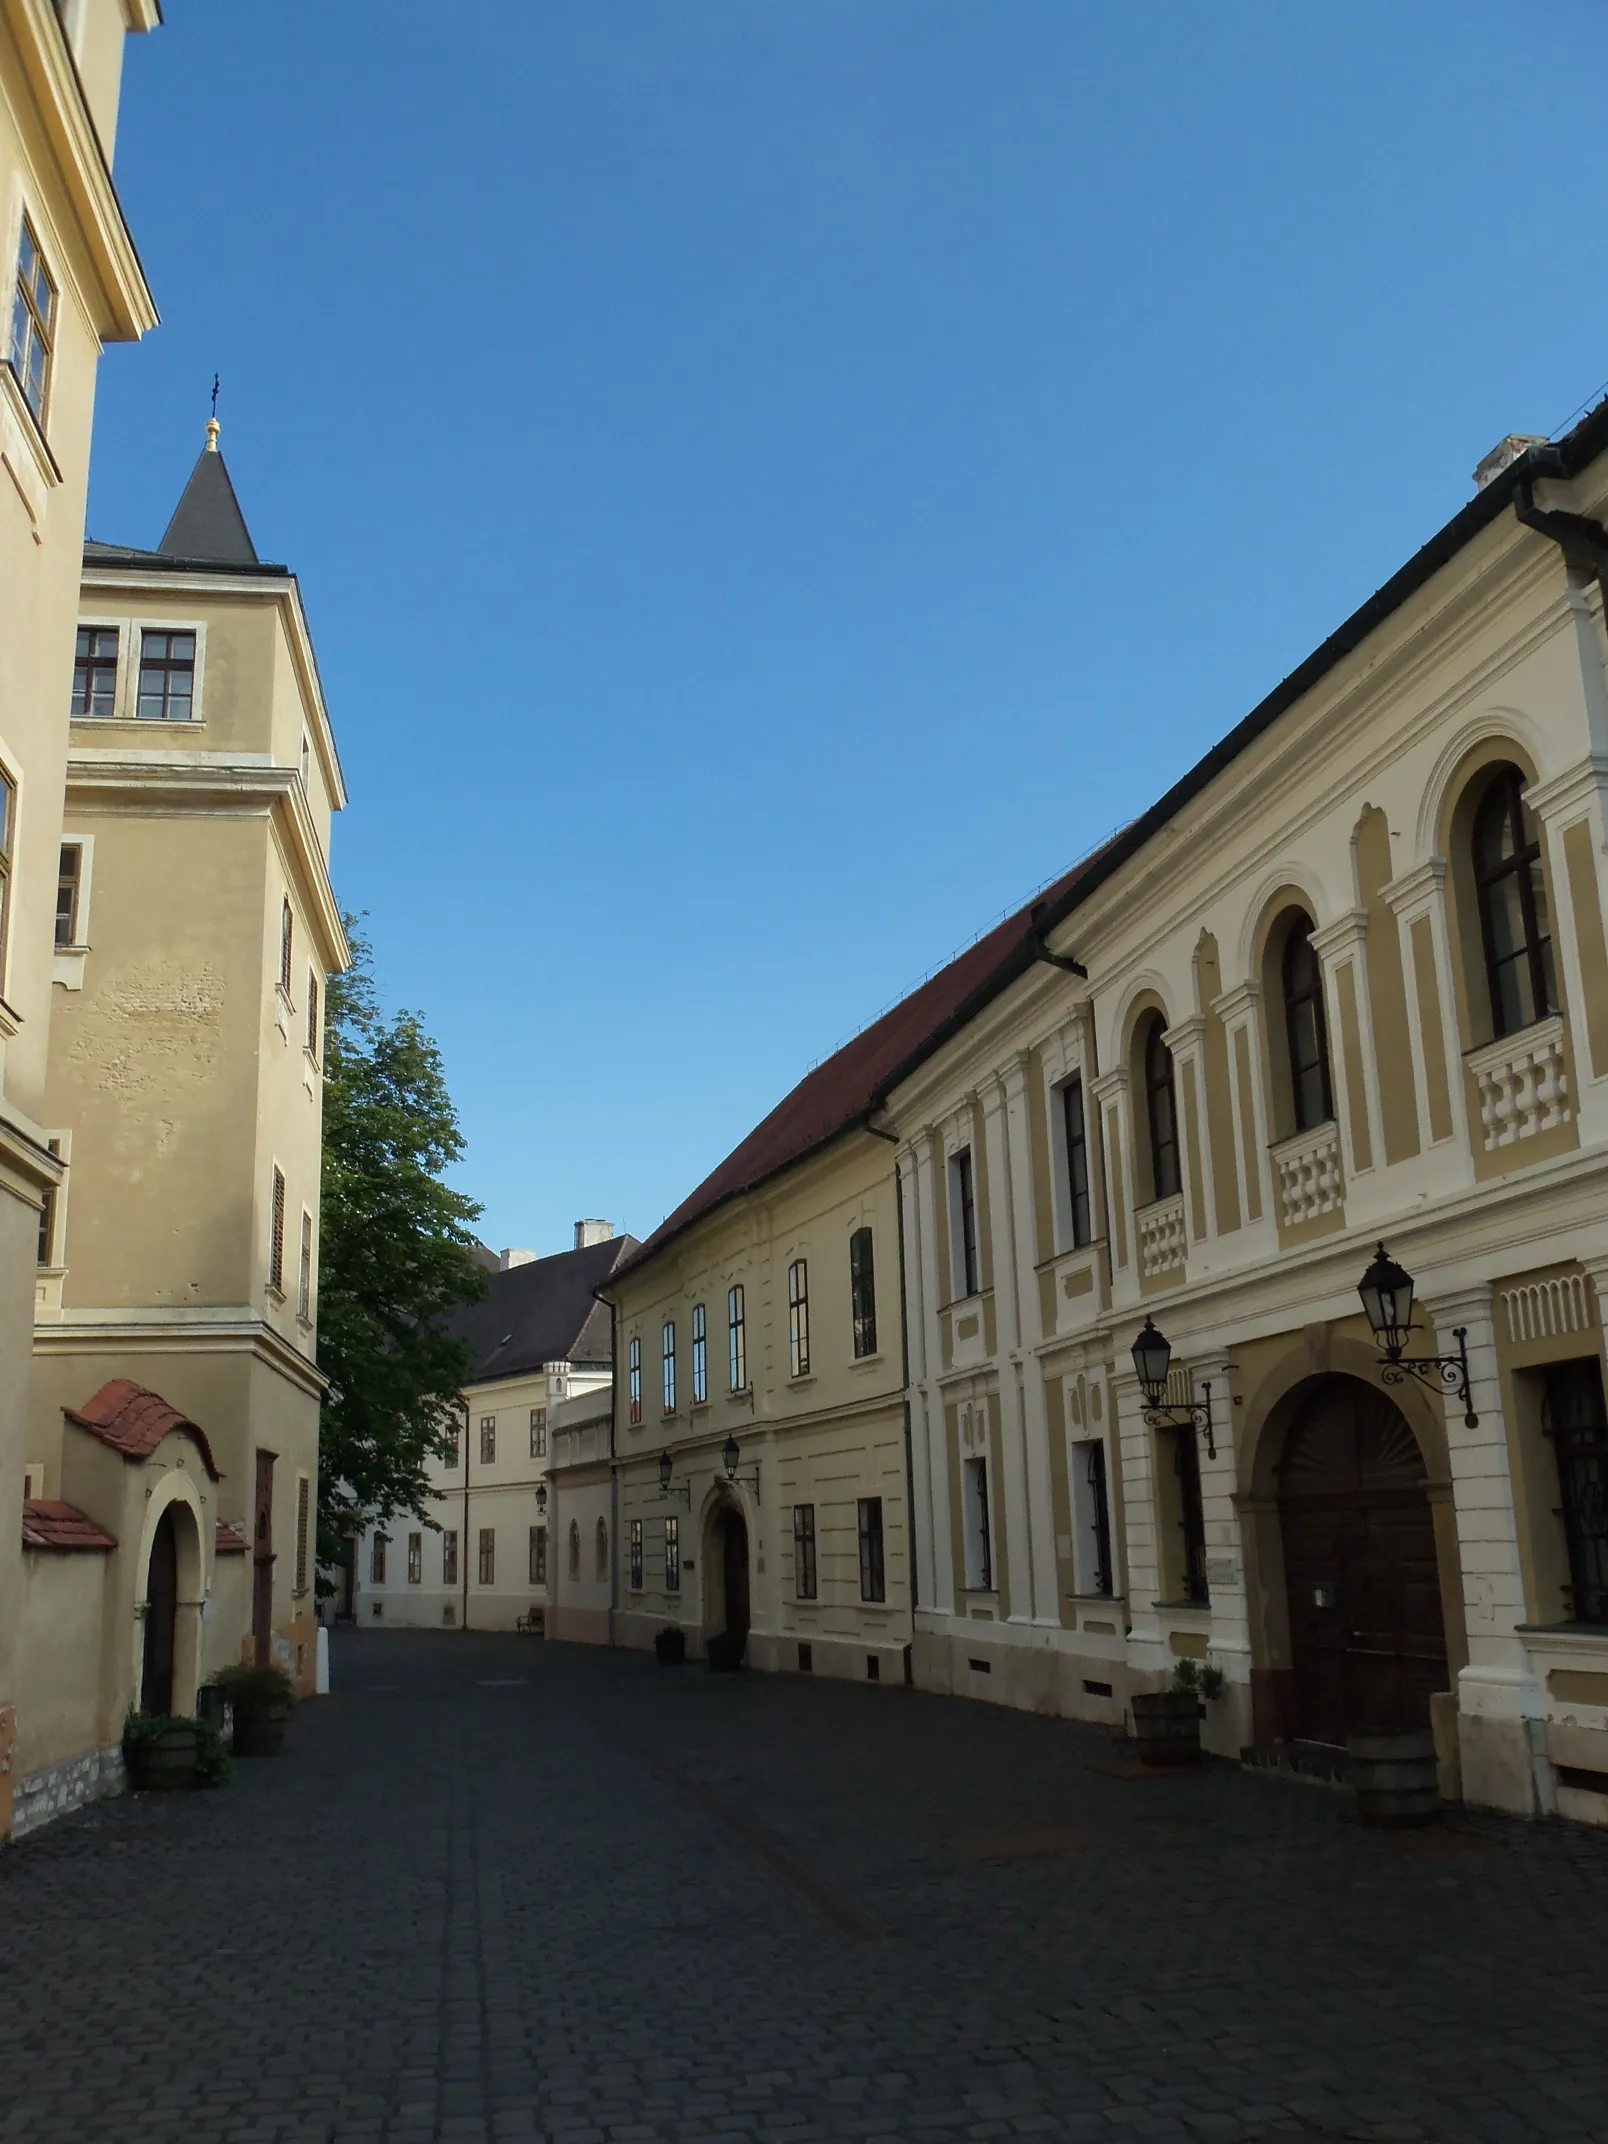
[[1583, 542]]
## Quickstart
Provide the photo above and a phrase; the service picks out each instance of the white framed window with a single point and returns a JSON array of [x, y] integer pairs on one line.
[[304, 1272], [1091, 1519], [287, 946], [798, 1318], [668, 1339], [700, 1355], [98, 671], [963, 1225], [634, 1368], [737, 1339], [312, 1014], [276, 1233], [32, 342], [979, 1539], [167, 680]]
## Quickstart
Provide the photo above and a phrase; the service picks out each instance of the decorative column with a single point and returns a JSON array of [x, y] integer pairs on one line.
[[1187, 1043], [1147, 1644], [1012, 1456], [935, 1575], [1115, 1131], [1341, 947], [1239, 1011], [1029, 1332], [1418, 902]]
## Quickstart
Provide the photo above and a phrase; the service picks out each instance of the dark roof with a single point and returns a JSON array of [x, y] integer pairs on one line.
[[47, 1523], [128, 554], [207, 523], [133, 1420], [541, 1312], [228, 1540], [848, 1086]]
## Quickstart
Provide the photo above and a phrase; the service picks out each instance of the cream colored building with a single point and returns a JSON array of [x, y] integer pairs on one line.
[[175, 1392], [1345, 983], [479, 1557], [74, 284]]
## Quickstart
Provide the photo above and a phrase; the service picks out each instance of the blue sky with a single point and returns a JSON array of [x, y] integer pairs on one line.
[[773, 481]]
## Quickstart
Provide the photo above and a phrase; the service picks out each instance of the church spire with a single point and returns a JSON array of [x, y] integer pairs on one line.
[[208, 526]]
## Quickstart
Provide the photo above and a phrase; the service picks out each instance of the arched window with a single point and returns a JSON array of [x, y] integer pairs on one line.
[[1304, 1030], [1514, 921], [1161, 1109], [575, 1548], [602, 1548]]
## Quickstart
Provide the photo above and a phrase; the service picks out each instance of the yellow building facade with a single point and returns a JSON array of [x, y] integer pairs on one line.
[[74, 284]]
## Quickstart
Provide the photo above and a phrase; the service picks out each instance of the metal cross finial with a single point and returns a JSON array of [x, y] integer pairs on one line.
[[213, 426]]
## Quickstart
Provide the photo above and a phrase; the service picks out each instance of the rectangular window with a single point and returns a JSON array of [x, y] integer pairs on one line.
[[452, 1445], [488, 1556], [736, 1340], [804, 1551], [538, 1433], [287, 944], [1091, 1519], [873, 1575], [488, 1440], [538, 1555], [636, 1555], [47, 1216], [863, 1292], [95, 674], [1077, 1161], [33, 325], [8, 842], [798, 1318], [449, 1557], [1191, 1513], [167, 679], [978, 1539], [304, 1513], [415, 1559], [669, 1340], [1574, 1417], [700, 1356], [312, 1015], [672, 1555], [304, 1277], [377, 1560], [635, 1358], [68, 875], [963, 1221], [276, 1235]]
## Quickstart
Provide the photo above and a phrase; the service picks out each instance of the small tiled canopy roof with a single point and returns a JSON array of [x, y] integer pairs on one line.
[[49, 1524], [228, 1541], [133, 1421]]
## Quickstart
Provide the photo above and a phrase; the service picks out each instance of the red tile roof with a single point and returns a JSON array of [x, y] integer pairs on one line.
[[226, 1541], [852, 1084], [133, 1421], [48, 1524]]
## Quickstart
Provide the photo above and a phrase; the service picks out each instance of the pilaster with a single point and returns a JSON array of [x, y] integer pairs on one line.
[[1012, 1453], [1339, 945]]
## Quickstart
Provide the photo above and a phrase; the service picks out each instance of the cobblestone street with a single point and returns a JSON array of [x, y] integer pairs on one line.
[[496, 1889]]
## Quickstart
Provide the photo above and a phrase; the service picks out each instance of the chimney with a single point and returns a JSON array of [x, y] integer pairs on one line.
[[506, 1260], [589, 1232], [1504, 454]]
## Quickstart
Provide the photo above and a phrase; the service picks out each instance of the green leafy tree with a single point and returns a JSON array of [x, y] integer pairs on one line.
[[394, 1261]]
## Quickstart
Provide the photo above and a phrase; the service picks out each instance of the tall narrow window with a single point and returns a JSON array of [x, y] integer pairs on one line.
[[377, 1560], [636, 1555], [1514, 919], [95, 674], [1305, 1032], [415, 1559], [304, 1513], [167, 679], [798, 1318], [978, 1539], [700, 1355], [312, 1015], [634, 1358], [1573, 1416], [873, 1579], [1077, 1161], [276, 1235], [33, 325], [304, 1276], [449, 1557], [68, 876], [287, 944], [47, 1219], [8, 845], [668, 1362], [1092, 1512], [600, 1550], [538, 1555], [736, 1340], [452, 1446], [488, 1440], [672, 1555], [488, 1555], [1191, 1515], [1161, 1108], [538, 1433], [804, 1551], [963, 1221], [575, 1548], [863, 1292]]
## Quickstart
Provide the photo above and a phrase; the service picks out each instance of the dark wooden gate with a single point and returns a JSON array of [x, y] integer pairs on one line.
[[262, 1562], [161, 1617], [1366, 1633], [734, 1572]]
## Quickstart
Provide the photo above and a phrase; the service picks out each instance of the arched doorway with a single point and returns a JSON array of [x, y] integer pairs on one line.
[[1367, 1639], [734, 1571], [161, 1617]]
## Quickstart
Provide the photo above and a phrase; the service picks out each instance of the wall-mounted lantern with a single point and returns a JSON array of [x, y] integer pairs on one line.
[[1152, 1360], [667, 1487], [1387, 1296], [731, 1453]]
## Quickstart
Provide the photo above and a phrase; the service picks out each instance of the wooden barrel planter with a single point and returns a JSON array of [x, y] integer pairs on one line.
[[259, 1729], [1396, 1778], [1166, 1725], [162, 1758]]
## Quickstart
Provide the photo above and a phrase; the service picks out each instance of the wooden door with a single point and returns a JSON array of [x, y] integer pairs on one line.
[[1367, 1639], [161, 1616], [734, 1552], [262, 1562]]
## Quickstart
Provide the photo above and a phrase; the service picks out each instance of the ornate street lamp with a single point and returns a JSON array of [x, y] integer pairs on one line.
[[1387, 1297], [667, 1487], [541, 1501], [1152, 1359], [730, 1453]]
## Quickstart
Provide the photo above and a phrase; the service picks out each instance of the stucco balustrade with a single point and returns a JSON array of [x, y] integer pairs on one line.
[[1163, 1244], [1308, 1170], [1523, 1084]]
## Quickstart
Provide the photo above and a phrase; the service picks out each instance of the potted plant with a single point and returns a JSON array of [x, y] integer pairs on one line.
[[262, 1699], [670, 1646], [159, 1752], [1166, 1723]]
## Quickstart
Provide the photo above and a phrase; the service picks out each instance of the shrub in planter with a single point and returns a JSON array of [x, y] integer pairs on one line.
[[262, 1699], [213, 1763], [670, 1646], [159, 1752], [1166, 1722]]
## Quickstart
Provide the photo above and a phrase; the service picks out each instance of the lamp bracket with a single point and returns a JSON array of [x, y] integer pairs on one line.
[[683, 1489], [1196, 1415], [744, 1479], [1447, 1373]]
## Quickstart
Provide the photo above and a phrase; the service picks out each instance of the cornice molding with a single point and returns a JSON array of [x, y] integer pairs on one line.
[[149, 1332]]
